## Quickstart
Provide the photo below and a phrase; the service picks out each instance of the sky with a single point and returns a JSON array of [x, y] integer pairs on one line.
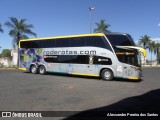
[[68, 17]]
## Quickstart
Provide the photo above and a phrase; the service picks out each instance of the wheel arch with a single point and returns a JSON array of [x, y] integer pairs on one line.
[[32, 65]]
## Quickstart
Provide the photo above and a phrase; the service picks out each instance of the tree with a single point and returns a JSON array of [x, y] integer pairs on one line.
[[19, 30], [5, 53], [157, 52], [1, 30], [152, 48], [102, 27], [144, 41], [158, 58]]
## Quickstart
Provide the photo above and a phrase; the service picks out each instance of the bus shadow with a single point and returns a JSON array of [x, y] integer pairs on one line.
[[88, 77], [73, 76], [145, 103], [95, 78], [67, 75], [128, 80]]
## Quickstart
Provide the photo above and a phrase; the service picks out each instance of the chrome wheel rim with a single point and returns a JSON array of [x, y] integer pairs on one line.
[[33, 69], [41, 70], [107, 74]]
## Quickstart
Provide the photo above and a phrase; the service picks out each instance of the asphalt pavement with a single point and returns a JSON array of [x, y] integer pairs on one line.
[[23, 91]]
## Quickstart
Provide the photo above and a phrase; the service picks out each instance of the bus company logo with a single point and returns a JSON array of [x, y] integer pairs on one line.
[[67, 52], [6, 114]]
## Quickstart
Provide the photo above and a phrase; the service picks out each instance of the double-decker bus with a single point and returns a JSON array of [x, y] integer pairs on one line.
[[112, 55]]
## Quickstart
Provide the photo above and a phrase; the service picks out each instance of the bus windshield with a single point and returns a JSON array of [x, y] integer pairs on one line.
[[120, 40], [124, 55]]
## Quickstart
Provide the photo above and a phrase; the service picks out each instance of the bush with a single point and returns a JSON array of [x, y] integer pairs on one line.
[[1, 65]]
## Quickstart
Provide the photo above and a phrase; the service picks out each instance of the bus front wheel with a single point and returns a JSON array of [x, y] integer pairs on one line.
[[42, 70], [107, 74]]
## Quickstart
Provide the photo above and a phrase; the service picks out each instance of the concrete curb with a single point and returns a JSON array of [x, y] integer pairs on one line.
[[8, 69]]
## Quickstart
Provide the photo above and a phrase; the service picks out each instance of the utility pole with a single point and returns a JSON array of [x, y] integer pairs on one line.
[[90, 11]]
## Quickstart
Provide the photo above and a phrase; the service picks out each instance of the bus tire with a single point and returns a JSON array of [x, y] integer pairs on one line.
[[42, 70], [107, 75], [33, 69]]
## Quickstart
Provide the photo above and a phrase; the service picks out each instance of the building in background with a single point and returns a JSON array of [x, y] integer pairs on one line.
[[9, 61], [14, 55]]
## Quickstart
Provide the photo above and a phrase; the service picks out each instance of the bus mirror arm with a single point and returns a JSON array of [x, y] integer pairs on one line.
[[143, 51]]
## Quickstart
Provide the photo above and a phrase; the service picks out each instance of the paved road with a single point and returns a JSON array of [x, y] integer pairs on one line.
[[22, 91]]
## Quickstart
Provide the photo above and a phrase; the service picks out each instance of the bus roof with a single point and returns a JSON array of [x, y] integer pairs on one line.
[[69, 36], [116, 33]]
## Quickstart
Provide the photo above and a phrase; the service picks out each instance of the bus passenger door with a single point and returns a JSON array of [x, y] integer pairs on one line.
[[91, 70]]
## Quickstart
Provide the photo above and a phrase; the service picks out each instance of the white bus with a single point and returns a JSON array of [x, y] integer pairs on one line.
[[108, 56]]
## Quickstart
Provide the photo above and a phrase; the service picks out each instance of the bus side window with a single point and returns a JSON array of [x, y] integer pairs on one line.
[[25, 44], [64, 59], [48, 43], [79, 59], [37, 44], [62, 42], [107, 46], [77, 42], [95, 42]]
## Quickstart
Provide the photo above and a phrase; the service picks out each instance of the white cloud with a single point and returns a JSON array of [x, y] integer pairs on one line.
[[136, 41], [158, 24], [156, 39]]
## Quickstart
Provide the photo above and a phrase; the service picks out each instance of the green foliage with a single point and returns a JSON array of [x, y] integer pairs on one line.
[[144, 41], [157, 52], [1, 30], [5, 53], [152, 46], [19, 30], [1, 65], [102, 27]]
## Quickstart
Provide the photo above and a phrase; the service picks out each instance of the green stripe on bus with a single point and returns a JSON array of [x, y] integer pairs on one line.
[[118, 77], [57, 72]]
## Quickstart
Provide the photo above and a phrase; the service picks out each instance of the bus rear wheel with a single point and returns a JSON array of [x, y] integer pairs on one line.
[[33, 69], [42, 70], [107, 75]]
